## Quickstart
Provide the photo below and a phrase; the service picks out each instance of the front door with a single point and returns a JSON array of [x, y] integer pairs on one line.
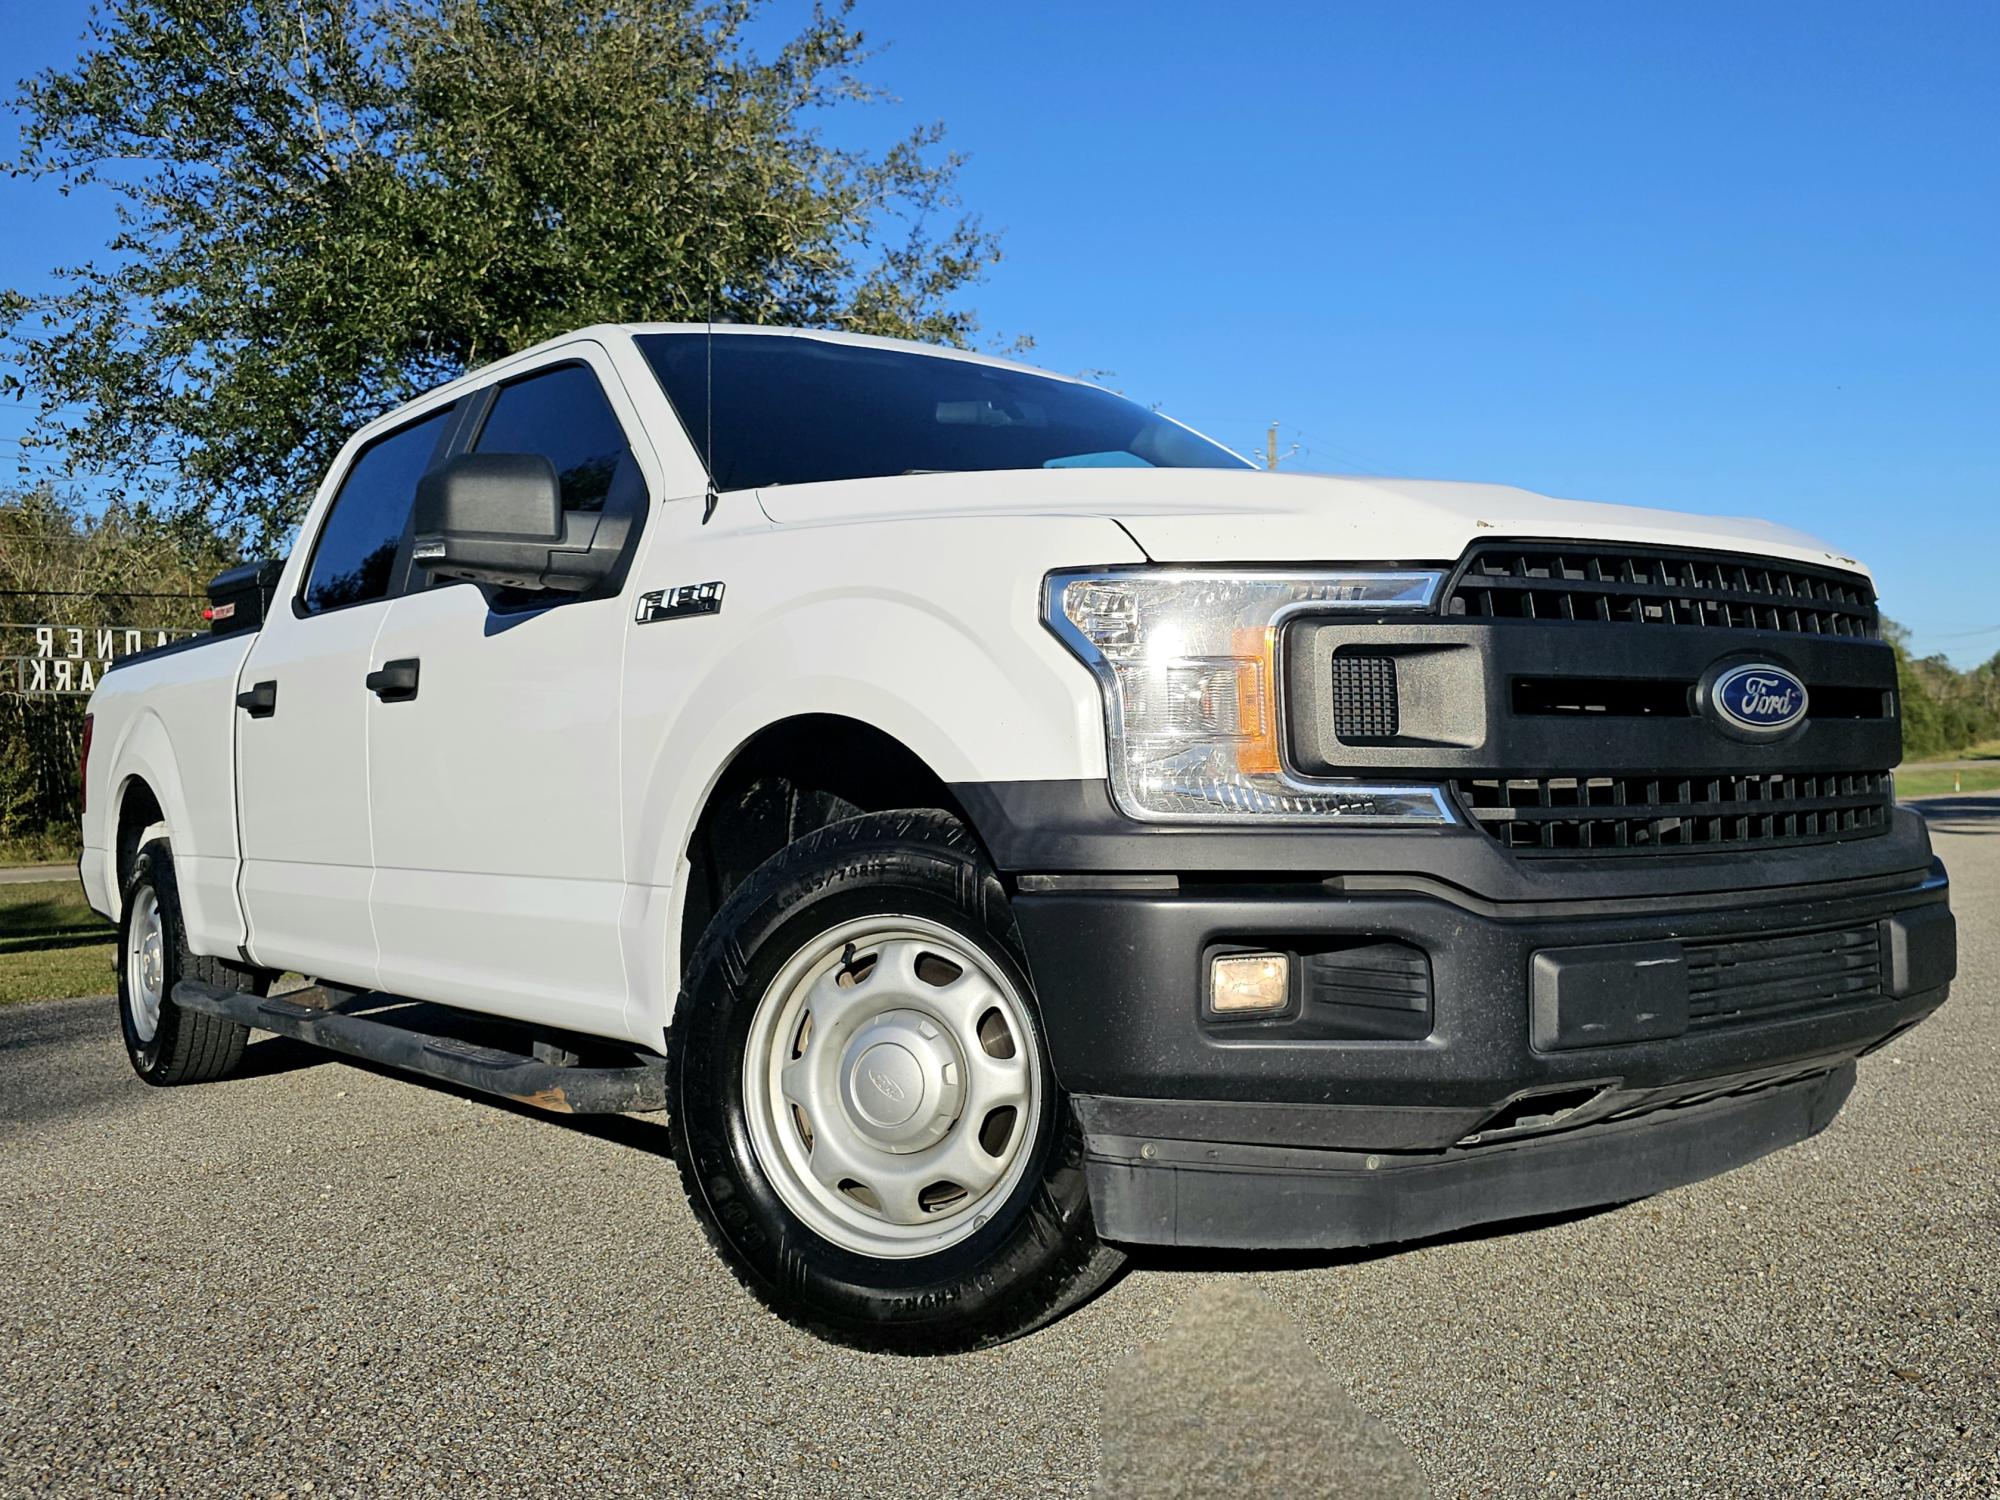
[[301, 723], [499, 867]]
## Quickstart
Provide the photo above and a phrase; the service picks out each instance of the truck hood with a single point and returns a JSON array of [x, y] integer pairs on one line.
[[1252, 516]]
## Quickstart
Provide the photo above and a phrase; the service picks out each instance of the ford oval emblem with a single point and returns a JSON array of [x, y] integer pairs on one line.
[[1754, 700]]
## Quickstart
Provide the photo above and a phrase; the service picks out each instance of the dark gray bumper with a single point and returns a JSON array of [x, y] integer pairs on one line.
[[1770, 980], [1470, 1035], [1268, 1197]]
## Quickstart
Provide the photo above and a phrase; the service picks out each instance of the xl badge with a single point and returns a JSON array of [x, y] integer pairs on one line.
[[1753, 700], [679, 602]]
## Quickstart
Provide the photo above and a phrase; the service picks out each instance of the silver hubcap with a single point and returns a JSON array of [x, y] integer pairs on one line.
[[145, 964], [893, 1086]]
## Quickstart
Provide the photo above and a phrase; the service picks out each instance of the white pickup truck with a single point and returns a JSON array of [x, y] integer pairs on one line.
[[999, 825]]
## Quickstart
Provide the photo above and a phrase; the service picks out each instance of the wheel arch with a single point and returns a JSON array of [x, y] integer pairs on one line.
[[791, 776], [146, 790], [139, 810]]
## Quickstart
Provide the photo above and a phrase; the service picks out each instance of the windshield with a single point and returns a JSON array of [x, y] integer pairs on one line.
[[795, 410]]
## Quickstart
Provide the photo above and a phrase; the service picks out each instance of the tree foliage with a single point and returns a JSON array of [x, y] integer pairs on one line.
[[1944, 710], [69, 564], [329, 205], [63, 561]]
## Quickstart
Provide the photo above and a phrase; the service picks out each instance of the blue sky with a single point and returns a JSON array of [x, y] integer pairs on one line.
[[1722, 257]]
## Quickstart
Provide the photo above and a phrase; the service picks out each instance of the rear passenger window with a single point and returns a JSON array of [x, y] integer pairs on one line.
[[562, 415], [355, 558]]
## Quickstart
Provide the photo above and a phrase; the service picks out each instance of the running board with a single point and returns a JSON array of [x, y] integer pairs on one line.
[[512, 1075]]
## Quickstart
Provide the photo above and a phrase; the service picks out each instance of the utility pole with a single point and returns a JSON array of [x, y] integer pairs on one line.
[[1272, 457]]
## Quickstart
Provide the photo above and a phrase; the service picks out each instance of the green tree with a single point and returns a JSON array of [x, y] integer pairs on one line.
[[65, 561], [329, 205], [70, 564], [1945, 710]]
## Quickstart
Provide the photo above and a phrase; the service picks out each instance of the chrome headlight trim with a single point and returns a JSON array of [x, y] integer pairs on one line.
[[1210, 657]]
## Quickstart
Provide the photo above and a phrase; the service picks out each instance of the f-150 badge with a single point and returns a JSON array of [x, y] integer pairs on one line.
[[680, 601]]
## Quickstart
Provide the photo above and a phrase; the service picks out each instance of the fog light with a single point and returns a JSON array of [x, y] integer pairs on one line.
[[1245, 984]]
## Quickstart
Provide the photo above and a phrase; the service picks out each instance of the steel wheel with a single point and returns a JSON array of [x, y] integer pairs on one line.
[[864, 1115], [892, 1085], [145, 964]]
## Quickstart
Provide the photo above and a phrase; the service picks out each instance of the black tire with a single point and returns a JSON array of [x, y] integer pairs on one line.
[[1036, 1256], [186, 1046]]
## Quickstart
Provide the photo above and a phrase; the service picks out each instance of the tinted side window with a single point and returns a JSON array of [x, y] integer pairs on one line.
[[356, 552], [562, 415]]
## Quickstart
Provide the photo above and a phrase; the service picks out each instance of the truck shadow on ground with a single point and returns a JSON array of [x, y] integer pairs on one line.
[[1186, 1260], [272, 1056], [1971, 816]]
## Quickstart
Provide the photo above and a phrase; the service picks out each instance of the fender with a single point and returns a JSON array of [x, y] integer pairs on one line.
[[207, 876], [904, 661]]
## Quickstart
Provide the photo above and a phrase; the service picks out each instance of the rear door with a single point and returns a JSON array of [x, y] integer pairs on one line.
[[301, 721], [499, 871]]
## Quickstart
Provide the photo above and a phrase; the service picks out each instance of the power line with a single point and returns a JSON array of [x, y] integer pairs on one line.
[[50, 541], [1348, 455], [48, 469], [1310, 443], [89, 593]]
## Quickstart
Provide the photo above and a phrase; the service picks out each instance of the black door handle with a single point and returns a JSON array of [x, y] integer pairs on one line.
[[396, 681], [260, 702]]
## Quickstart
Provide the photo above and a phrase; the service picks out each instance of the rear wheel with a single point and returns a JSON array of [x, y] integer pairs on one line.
[[168, 1045], [867, 1121]]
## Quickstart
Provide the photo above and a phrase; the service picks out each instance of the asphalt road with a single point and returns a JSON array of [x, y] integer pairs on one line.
[[320, 1280], [36, 874]]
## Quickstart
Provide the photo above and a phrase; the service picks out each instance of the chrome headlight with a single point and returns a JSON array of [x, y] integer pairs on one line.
[[1188, 664]]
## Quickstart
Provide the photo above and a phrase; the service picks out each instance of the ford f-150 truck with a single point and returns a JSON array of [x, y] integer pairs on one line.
[[999, 825]]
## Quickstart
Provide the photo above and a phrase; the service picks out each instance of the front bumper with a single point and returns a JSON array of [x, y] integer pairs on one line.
[[1569, 1053], [1277, 1198]]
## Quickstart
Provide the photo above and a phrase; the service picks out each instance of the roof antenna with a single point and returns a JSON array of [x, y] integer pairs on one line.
[[710, 497]]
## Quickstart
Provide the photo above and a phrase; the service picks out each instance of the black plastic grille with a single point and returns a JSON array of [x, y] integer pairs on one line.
[[1380, 990], [1634, 586], [1364, 697], [1662, 812], [1762, 977]]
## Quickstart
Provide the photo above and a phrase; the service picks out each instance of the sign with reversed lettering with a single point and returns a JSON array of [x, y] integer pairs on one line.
[[54, 660]]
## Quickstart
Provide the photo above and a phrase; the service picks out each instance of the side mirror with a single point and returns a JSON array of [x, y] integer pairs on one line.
[[498, 518]]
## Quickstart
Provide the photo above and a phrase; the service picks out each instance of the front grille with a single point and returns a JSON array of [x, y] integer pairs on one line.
[[1663, 813], [1656, 586], [1764, 977]]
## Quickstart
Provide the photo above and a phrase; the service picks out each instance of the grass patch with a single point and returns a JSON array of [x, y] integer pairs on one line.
[[52, 945], [55, 846], [1939, 783]]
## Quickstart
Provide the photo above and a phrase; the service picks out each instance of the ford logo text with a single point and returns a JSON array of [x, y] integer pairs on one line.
[[1754, 700]]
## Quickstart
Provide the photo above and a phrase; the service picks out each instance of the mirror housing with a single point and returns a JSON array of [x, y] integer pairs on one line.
[[498, 518]]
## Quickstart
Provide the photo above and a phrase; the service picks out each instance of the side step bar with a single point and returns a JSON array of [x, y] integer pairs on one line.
[[512, 1075]]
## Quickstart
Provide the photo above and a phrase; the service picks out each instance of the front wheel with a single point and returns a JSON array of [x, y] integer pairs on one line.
[[168, 1045], [866, 1119]]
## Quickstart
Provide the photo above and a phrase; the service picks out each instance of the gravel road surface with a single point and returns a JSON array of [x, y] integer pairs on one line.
[[322, 1280]]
